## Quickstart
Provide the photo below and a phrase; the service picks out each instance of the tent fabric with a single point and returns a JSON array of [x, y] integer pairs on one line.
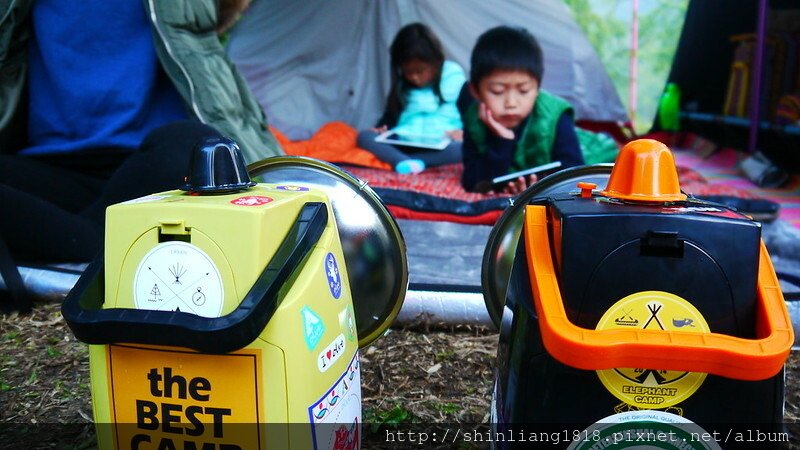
[[711, 76], [702, 60], [316, 61]]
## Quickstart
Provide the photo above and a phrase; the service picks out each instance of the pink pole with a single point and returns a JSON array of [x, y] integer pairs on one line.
[[633, 82], [755, 85]]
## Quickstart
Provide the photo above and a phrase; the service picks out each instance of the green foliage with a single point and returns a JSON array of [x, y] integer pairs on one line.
[[32, 379], [607, 25], [447, 408], [11, 337], [391, 418], [444, 355], [52, 351]]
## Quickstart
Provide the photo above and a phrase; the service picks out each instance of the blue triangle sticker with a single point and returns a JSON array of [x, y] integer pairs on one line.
[[313, 327]]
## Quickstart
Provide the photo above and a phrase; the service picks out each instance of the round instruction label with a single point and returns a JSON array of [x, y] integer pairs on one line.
[[648, 388], [178, 276]]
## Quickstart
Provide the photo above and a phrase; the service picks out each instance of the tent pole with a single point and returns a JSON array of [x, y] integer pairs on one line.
[[755, 86], [633, 69]]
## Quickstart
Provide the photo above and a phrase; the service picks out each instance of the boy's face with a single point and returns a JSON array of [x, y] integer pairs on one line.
[[509, 95]]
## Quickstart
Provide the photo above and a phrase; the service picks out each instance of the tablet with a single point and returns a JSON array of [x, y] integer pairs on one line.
[[522, 173], [413, 140]]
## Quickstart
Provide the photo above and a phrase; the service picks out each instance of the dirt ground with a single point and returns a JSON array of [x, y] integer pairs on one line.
[[408, 377]]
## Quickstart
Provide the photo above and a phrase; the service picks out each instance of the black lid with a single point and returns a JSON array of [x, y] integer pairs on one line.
[[217, 166]]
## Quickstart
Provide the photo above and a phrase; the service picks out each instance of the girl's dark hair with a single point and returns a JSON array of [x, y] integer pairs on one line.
[[506, 48], [413, 41]]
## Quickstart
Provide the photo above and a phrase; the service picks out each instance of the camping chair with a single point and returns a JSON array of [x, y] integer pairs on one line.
[[736, 98]]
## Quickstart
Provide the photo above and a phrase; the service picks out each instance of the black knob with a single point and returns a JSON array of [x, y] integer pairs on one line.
[[217, 166]]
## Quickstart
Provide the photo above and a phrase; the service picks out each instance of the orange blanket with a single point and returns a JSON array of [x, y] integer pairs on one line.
[[333, 142]]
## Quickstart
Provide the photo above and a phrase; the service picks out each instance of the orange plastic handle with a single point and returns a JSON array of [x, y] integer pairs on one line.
[[718, 354]]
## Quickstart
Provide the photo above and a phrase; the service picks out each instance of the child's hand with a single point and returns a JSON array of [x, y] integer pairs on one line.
[[456, 135], [485, 114], [380, 129], [519, 185]]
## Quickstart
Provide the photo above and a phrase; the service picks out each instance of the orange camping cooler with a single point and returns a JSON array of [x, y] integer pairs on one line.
[[636, 315]]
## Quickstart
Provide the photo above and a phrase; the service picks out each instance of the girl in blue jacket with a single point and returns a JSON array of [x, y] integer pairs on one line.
[[422, 102]]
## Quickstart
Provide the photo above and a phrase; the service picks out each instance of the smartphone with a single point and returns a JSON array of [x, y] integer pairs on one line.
[[413, 140]]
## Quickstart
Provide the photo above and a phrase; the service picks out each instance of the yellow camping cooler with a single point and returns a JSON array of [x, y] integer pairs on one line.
[[222, 315]]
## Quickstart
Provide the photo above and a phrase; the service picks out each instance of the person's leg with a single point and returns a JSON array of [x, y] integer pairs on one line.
[[385, 152], [40, 220], [65, 188], [160, 164], [449, 155], [35, 229], [42, 197]]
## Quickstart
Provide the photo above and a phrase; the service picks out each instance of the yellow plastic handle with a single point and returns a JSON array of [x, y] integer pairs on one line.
[[718, 354]]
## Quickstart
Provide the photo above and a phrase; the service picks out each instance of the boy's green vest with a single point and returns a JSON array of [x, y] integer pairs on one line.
[[535, 145]]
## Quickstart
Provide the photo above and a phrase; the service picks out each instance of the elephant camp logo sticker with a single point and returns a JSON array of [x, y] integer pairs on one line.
[[648, 388], [645, 430], [333, 276]]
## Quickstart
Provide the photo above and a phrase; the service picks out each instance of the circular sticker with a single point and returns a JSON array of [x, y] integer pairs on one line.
[[178, 276], [291, 188], [644, 429], [648, 388], [332, 273], [251, 200]]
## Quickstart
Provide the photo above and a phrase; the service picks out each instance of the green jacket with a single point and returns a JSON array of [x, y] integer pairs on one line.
[[195, 61], [535, 144]]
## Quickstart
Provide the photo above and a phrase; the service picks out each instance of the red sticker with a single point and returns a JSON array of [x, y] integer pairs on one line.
[[251, 200]]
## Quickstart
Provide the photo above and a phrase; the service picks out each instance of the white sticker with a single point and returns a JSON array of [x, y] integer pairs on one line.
[[331, 353], [145, 199], [341, 408], [178, 276]]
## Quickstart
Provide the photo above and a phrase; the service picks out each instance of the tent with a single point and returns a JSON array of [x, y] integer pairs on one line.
[[317, 61], [726, 63], [313, 62]]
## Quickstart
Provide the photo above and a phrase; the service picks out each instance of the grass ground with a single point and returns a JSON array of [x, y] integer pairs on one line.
[[408, 377]]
